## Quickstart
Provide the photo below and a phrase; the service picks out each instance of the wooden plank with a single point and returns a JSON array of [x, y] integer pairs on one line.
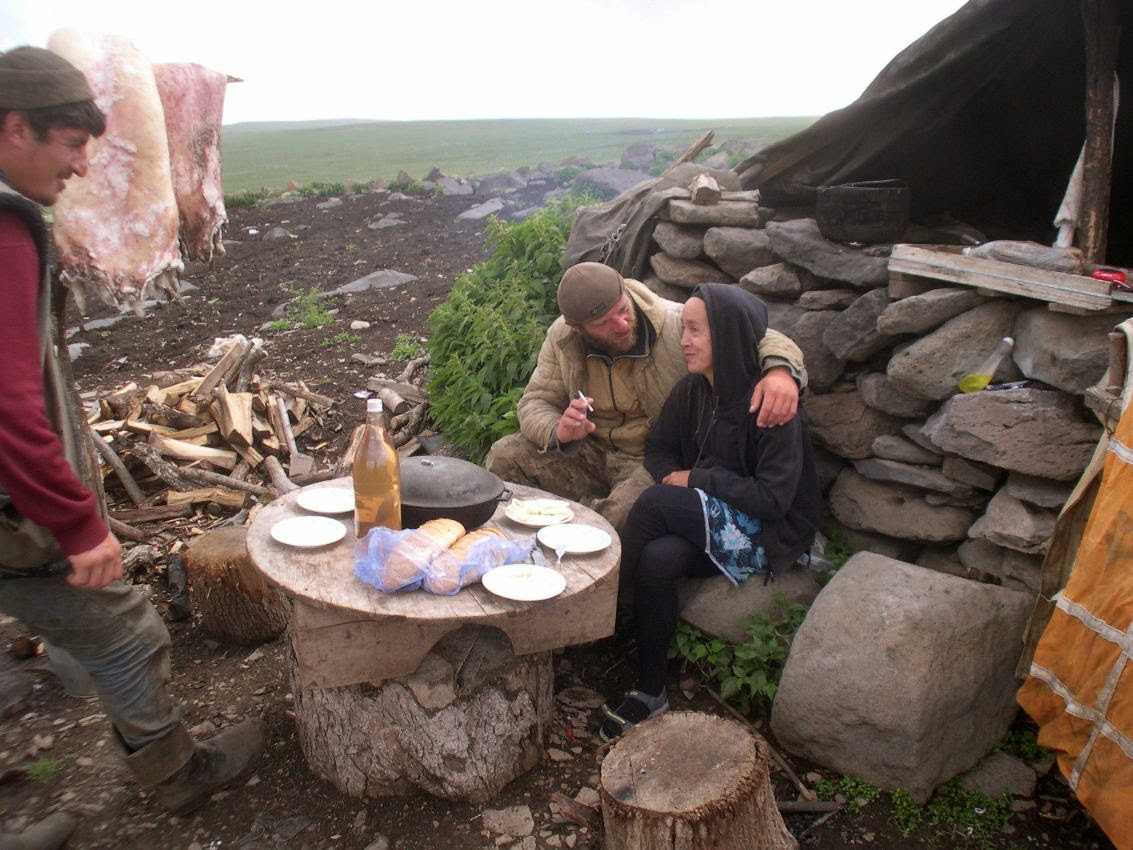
[[1012, 278], [906, 286]]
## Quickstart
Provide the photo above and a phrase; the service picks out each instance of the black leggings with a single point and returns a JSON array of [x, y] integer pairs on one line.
[[663, 541]]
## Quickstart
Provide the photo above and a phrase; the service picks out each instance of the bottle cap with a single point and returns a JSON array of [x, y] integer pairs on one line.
[[373, 405]]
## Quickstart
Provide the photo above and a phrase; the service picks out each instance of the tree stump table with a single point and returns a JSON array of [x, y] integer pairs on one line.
[[451, 695], [690, 781]]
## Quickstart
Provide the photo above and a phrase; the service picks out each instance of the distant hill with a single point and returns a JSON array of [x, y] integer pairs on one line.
[[269, 155]]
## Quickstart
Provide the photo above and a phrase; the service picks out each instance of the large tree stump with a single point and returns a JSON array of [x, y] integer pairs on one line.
[[236, 604], [690, 781], [472, 718]]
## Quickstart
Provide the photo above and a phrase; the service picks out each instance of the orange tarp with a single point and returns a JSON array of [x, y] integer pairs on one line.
[[1080, 684]]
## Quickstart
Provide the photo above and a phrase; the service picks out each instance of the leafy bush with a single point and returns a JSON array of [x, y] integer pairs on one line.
[[747, 673], [406, 347], [246, 198], [304, 311], [566, 174], [485, 337], [323, 190]]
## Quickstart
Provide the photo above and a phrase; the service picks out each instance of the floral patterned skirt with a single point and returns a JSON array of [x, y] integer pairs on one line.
[[733, 540]]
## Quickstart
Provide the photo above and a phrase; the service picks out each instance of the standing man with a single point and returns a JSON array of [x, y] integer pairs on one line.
[[603, 374], [49, 510]]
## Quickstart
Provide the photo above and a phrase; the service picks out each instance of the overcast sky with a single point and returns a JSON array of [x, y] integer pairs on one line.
[[437, 59]]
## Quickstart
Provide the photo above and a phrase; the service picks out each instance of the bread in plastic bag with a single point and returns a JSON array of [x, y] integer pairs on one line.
[[396, 560], [466, 561]]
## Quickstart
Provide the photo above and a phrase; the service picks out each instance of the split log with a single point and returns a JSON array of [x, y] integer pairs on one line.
[[171, 417], [247, 367], [124, 403], [704, 190], [411, 366], [228, 364], [392, 401], [410, 392], [233, 415], [185, 450], [236, 604], [188, 479], [688, 780], [472, 718]]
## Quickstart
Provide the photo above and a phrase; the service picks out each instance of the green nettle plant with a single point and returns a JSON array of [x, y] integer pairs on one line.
[[485, 337], [747, 673]]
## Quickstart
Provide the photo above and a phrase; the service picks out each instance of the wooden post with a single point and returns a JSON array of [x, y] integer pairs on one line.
[[686, 781], [1102, 27]]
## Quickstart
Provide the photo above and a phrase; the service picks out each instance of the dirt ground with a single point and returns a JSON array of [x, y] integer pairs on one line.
[[54, 754]]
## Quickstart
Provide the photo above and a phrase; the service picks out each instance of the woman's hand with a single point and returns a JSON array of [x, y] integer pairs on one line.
[[574, 424], [677, 479]]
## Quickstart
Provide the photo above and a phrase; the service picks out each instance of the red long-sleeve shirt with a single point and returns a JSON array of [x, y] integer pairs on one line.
[[33, 469]]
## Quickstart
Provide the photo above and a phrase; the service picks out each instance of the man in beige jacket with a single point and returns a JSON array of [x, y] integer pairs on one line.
[[604, 371]]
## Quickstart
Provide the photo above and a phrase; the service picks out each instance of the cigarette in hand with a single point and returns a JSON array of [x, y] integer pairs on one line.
[[582, 396]]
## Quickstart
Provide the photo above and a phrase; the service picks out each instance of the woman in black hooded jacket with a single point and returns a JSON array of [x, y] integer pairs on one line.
[[732, 497]]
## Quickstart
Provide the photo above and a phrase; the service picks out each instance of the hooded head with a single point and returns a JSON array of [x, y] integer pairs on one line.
[[737, 321]]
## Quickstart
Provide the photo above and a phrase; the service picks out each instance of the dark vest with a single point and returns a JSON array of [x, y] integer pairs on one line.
[[22, 542]]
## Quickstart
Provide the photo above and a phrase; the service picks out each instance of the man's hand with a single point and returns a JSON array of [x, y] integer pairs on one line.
[[574, 424], [97, 567], [776, 397], [677, 479]]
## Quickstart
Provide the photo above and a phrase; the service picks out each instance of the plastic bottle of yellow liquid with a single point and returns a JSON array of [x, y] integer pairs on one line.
[[377, 475], [978, 380]]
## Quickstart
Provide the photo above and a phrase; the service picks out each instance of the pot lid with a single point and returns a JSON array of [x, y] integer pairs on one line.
[[446, 482]]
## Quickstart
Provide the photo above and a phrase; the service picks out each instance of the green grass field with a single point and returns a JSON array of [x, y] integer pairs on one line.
[[269, 156]]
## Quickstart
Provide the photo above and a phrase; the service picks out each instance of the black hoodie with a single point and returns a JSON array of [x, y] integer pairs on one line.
[[767, 473]]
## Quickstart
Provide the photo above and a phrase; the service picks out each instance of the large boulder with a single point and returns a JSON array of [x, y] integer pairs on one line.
[[608, 183], [896, 510], [1067, 352], [844, 424], [1034, 431], [679, 240], [932, 366], [738, 250], [901, 675], [799, 242], [920, 313], [718, 607]]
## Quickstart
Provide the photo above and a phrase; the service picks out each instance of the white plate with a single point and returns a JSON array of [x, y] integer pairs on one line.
[[307, 532], [327, 500], [524, 582], [573, 538], [538, 513]]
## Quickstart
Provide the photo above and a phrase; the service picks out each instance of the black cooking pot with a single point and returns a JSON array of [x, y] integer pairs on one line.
[[435, 487]]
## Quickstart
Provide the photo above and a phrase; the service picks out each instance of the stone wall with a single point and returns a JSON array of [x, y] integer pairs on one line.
[[912, 468]]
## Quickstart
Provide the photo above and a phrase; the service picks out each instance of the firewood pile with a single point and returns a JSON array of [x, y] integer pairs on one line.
[[216, 439]]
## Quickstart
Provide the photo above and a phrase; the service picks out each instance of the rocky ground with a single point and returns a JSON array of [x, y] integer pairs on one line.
[[54, 754]]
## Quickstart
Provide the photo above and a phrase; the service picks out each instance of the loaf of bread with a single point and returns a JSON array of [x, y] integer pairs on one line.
[[447, 574], [407, 560]]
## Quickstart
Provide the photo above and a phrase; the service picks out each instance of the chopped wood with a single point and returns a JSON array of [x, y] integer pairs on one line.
[[154, 514], [233, 415], [206, 494], [229, 362], [392, 401], [121, 473], [575, 812], [184, 450], [410, 426], [248, 365], [410, 392], [704, 190], [173, 392], [188, 479], [123, 531], [108, 426], [124, 403], [191, 434], [170, 417], [278, 477], [297, 392], [406, 376]]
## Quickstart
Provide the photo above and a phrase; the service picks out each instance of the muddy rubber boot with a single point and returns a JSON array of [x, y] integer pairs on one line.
[[50, 833], [215, 764]]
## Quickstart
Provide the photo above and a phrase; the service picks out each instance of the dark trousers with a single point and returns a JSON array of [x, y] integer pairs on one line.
[[663, 541]]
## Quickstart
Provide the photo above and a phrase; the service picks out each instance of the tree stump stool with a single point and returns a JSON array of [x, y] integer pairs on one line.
[[690, 781], [234, 600], [472, 718]]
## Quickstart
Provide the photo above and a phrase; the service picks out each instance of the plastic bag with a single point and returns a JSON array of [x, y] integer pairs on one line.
[[373, 565], [449, 572]]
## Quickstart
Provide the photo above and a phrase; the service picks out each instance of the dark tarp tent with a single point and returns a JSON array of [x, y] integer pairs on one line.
[[984, 117]]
